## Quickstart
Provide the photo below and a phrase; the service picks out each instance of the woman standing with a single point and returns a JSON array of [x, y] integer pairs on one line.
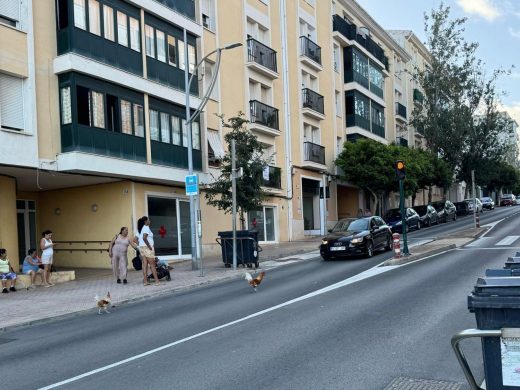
[[146, 249], [118, 254], [47, 247]]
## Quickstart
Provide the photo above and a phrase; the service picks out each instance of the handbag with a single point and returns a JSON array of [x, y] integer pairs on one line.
[[112, 243]]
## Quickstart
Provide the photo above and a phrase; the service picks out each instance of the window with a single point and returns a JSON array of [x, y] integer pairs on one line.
[[135, 37], [122, 29], [165, 127], [11, 102], [195, 135], [138, 120], [192, 57], [208, 75], [80, 16], [338, 103], [126, 117], [377, 81], [66, 111], [154, 125], [182, 61], [94, 23], [360, 66], [184, 133], [83, 105], [112, 113], [172, 52], [176, 131], [108, 23], [62, 11], [208, 14], [161, 46], [150, 41], [336, 58], [98, 109]]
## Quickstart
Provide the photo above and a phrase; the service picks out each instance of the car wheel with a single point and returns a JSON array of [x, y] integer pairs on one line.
[[325, 258], [369, 249], [418, 225], [455, 216], [388, 246]]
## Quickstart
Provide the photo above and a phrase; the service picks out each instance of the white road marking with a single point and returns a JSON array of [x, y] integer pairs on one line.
[[480, 241], [508, 240], [491, 225]]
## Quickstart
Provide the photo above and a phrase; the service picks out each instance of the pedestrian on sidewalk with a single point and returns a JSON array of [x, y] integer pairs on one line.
[[31, 266], [6, 272], [146, 249], [118, 254], [47, 247]]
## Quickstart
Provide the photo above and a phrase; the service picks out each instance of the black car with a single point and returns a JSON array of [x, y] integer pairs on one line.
[[427, 214], [356, 236], [393, 219], [445, 210], [462, 208]]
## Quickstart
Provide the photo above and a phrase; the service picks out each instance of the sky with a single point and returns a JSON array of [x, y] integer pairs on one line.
[[494, 24]]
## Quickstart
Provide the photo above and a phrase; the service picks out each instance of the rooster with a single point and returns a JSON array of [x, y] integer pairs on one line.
[[103, 303], [254, 282]]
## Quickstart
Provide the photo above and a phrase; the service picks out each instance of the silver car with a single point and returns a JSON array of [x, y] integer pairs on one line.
[[471, 204]]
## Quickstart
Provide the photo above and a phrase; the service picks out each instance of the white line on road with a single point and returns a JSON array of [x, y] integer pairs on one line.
[[480, 241], [508, 240]]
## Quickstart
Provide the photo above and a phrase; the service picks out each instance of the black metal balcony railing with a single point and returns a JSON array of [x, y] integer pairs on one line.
[[314, 153], [310, 49], [261, 54], [418, 96], [263, 114], [275, 178], [313, 100], [400, 141], [400, 110], [350, 31]]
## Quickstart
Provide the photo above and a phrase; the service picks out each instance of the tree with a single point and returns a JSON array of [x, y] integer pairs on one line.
[[249, 157]]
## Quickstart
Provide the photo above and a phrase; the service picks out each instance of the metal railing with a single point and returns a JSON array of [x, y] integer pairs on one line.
[[400, 109], [263, 114], [261, 54], [103, 246], [313, 152], [275, 178], [313, 100], [310, 49], [401, 141]]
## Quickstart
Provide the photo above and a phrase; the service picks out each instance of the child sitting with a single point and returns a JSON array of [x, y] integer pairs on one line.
[[6, 272]]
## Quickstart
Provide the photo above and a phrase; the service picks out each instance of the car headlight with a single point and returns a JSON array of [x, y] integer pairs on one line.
[[399, 223], [357, 240], [324, 242]]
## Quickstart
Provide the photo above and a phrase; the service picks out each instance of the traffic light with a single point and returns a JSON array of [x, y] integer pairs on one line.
[[400, 171]]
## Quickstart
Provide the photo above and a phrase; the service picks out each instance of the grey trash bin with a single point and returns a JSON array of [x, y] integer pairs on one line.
[[247, 248]]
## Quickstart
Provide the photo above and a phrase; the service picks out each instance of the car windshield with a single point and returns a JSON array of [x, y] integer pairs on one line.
[[350, 225], [508, 196], [469, 200], [438, 206], [421, 209], [393, 213], [485, 199]]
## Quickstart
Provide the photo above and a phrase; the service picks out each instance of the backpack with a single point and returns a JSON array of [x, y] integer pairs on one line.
[[137, 263]]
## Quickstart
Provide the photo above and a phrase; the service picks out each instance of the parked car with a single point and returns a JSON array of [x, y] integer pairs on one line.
[[471, 204], [487, 203], [393, 219], [445, 210], [356, 236], [517, 199], [507, 200], [462, 208], [427, 214]]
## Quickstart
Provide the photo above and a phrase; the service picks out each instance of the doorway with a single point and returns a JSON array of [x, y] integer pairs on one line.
[[263, 220], [26, 225], [311, 206]]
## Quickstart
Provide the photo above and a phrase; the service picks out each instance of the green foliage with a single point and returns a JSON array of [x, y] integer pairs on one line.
[[249, 157]]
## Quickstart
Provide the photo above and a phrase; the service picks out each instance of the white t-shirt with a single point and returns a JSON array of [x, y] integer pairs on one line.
[[146, 230]]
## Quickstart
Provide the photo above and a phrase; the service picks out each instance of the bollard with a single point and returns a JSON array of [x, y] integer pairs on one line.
[[477, 219], [396, 238]]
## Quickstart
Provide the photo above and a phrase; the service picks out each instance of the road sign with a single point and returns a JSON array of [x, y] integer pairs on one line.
[[192, 185]]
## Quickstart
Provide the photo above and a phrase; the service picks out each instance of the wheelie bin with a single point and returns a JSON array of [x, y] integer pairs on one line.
[[247, 248]]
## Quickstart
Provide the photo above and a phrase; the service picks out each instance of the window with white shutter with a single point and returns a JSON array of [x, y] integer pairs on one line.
[[10, 11], [11, 103]]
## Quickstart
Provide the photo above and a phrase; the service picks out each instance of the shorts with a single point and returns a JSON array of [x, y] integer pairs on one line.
[[146, 252], [36, 271], [8, 275], [46, 259]]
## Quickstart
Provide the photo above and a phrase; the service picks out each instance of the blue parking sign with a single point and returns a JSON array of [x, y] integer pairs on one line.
[[192, 185]]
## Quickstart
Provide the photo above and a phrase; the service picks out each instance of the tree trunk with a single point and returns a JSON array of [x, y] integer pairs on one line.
[[376, 201], [242, 220], [413, 199], [430, 194]]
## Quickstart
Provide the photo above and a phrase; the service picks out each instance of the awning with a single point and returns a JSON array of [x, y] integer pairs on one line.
[[216, 144]]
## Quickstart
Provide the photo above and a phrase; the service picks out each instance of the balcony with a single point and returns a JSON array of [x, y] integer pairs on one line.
[[263, 118], [400, 112], [261, 58], [400, 141], [310, 53], [314, 153], [418, 97], [275, 178], [347, 32], [312, 104]]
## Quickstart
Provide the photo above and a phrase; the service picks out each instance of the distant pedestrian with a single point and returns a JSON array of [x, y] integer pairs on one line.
[[47, 247], [360, 213], [31, 266], [367, 213], [146, 248], [6, 272], [118, 254]]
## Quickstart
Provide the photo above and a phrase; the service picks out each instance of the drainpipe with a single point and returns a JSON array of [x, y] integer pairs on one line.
[[287, 118]]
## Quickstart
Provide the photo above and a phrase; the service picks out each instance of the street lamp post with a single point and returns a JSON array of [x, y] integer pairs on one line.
[[190, 118]]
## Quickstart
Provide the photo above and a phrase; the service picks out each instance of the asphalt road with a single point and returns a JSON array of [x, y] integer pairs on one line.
[[307, 327]]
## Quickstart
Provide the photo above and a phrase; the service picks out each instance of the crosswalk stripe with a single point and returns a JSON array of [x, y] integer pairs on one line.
[[480, 241], [508, 240]]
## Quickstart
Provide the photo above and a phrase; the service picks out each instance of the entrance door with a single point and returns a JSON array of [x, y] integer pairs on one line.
[[26, 225], [311, 206], [263, 221]]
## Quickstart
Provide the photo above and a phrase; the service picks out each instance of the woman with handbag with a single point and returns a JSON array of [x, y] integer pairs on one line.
[[117, 251]]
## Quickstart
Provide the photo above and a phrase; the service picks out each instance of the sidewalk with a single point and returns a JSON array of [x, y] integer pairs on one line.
[[40, 304], [25, 306]]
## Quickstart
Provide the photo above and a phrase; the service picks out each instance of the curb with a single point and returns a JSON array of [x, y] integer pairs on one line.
[[408, 259]]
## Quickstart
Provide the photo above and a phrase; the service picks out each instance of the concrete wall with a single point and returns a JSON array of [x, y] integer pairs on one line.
[[8, 231]]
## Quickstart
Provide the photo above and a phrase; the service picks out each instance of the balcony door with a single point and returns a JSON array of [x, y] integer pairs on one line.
[[263, 220]]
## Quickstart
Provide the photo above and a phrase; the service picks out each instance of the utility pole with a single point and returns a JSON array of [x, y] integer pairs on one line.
[[474, 198], [234, 201], [401, 174]]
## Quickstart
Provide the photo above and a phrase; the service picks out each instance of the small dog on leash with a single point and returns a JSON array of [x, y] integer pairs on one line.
[[103, 304]]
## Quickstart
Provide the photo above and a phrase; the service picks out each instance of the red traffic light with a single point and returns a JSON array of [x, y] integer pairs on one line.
[[400, 171]]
